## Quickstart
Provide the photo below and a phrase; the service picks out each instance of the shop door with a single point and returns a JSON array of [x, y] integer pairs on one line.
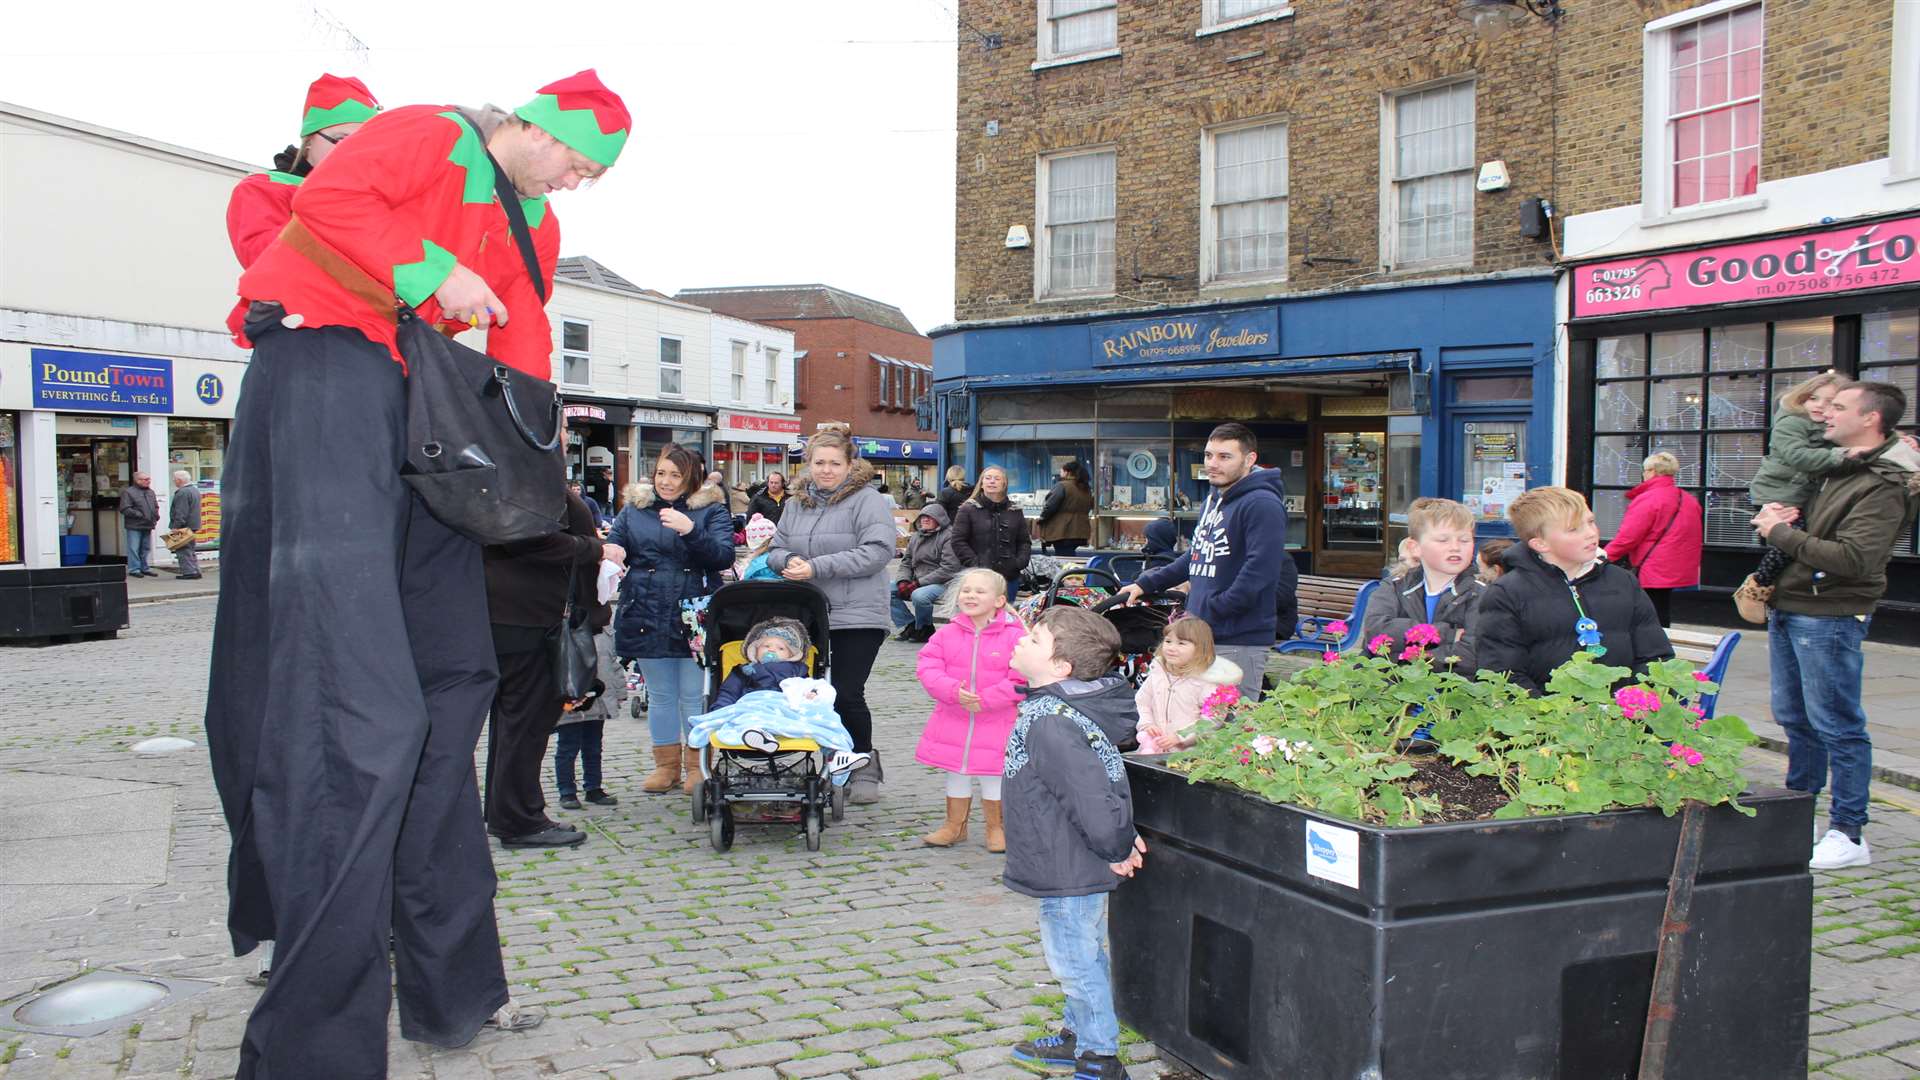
[[92, 472], [1488, 467], [1350, 527]]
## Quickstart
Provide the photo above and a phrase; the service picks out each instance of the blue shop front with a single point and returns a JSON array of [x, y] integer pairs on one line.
[[1365, 400]]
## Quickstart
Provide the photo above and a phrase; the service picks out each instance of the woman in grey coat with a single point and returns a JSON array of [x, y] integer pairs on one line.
[[837, 531]]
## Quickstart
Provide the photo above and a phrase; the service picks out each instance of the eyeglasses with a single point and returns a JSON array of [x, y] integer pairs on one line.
[[332, 140]]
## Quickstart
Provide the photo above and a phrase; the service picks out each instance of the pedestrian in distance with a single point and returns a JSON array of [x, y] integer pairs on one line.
[[966, 668], [1069, 816], [352, 663], [954, 491], [1233, 563], [140, 513], [1065, 522], [768, 501], [1660, 535], [837, 531], [678, 539], [992, 533], [929, 566], [183, 512]]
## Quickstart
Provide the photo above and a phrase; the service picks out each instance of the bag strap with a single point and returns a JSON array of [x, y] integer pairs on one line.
[[1679, 502], [516, 215]]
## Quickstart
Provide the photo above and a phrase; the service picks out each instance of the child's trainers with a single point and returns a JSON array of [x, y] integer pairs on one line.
[[1099, 1067], [1054, 1053]]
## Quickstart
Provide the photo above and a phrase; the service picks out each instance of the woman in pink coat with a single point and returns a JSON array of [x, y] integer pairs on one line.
[[1661, 534], [967, 669]]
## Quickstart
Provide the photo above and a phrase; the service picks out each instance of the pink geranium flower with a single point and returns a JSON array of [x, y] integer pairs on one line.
[[1380, 644], [1636, 702], [1338, 628], [1330, 657], [1423, 634], [1411, 652], [1701, 676], [1685, 754]]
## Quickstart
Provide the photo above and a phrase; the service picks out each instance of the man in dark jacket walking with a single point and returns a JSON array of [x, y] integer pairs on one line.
[[1069, 823], [140, 512], [183, 512], [1234, 561], [1824, 601]]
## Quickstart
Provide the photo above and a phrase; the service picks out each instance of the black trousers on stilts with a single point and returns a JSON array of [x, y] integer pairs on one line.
[[352, 669], [526, 710]]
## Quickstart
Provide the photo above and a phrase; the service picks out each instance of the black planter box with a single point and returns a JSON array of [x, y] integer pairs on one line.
[[64, 601], [1481, 950]]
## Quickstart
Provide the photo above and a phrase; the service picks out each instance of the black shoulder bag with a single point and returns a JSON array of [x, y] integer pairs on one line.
[[483, 440]]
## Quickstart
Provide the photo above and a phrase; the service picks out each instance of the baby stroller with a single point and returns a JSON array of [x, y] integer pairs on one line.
[[788, 784], [1076, 587], [1141, 627]]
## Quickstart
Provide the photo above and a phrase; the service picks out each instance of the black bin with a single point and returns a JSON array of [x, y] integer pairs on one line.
[[1489, 950], [64, 601]]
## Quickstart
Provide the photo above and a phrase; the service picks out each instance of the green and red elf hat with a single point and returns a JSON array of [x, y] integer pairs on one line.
[[334, 100], [581, 112]]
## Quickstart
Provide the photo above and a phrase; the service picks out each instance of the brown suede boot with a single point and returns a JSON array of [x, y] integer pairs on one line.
[[955, 830], [996, 826], [666, 771], [690, 766]]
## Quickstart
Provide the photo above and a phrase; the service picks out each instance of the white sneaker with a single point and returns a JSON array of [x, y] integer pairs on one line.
[[1835, 851]]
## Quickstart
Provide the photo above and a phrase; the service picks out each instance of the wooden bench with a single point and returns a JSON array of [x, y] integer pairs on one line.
[[1326, 600], [1710, 652]]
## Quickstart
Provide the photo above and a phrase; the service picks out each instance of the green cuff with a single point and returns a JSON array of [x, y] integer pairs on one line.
[[414, 282]]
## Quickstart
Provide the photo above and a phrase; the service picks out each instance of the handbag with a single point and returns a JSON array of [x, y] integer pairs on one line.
[[1627, 564], [576, 659], [483, 440], [177, 539]]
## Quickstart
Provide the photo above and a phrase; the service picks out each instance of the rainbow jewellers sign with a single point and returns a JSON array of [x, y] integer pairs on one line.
[[1839, 260]]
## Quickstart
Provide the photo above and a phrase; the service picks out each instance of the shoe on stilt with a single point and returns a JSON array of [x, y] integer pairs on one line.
[[666, 771], [996, 825], [1056, 1053], [514, 1016], [955, 828], [264, 966], [690, 769]]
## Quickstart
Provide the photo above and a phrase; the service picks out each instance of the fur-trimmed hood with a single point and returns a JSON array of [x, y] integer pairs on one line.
[[640, 493], [1899, 464], [859, 475]]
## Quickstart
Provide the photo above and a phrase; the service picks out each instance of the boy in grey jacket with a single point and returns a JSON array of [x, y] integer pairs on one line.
[[1069, 824]]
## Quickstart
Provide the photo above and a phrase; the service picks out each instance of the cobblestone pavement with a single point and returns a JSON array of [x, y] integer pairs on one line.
[[875, 958]]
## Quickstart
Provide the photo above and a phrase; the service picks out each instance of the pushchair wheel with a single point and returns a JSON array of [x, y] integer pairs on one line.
[[838, 801], [720, 828], [700, 801], [814, 825]]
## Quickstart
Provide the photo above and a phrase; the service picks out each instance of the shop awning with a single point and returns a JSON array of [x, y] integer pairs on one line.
[[1247, 372]]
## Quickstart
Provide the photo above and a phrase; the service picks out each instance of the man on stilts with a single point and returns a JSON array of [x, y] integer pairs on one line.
[[353, 664]]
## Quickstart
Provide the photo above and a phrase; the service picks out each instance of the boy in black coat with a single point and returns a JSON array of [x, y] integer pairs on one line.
[[1558, 596], [1069, 822]]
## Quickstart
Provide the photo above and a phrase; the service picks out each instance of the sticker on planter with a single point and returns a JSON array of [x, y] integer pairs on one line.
[[1333, 853]]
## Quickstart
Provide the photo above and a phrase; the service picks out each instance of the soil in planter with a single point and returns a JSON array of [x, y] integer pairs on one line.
[[1462, 796]]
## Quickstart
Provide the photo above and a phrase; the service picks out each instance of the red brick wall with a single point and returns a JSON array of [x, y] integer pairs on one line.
[[837, 354]]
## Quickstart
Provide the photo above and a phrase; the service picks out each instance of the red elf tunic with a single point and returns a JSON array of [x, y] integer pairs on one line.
[[259, 208], [410, 195]]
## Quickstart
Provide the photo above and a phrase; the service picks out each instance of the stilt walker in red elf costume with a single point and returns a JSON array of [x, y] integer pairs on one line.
[[353, 663], [261, 205]]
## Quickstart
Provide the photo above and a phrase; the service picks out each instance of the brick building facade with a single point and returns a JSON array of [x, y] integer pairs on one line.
[[1299, 179], [1741, 199], [857, 361]]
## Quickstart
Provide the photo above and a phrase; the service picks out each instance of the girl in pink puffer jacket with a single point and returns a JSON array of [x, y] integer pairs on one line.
[[1184, 673], [967, 669]]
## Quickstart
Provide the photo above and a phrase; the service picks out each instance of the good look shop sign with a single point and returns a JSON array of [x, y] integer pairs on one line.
[[1811, 264]]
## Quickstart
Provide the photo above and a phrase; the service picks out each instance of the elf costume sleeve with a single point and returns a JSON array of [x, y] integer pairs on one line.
[[257, 211]]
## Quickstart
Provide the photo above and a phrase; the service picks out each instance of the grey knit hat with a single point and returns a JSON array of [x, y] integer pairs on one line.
[[787, 630]]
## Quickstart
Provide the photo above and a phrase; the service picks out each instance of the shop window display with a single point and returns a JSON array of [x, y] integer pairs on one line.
[[1032, 467], [1352, 514], [9, 489], [199, 447], [1890, 352]]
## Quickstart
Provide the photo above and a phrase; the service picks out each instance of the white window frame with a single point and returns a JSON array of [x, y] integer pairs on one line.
[[737, 369], [1656, 150], [772, 373], [1043, 234], [1389, 187], [1044, 56], [1904, 140], [566, 354], [680, 366], [1209, 227], [1212, 23], [886, 381]]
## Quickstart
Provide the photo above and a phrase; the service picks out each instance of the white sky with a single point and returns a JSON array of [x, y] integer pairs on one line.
[[774, 142]]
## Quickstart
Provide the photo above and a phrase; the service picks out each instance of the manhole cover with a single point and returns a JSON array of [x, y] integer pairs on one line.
[[165, 744], [95, 1002]]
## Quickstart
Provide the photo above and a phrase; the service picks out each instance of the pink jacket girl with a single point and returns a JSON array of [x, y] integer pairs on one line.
[[967, 668]]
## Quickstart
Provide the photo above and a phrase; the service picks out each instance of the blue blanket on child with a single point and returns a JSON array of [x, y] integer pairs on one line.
[[800, 709]]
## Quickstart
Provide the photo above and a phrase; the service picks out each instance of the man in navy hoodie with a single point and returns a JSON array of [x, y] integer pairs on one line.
[[1233, 564]]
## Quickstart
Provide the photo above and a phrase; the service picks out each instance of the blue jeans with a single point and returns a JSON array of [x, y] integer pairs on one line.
[[584, 739], [1073, 935], [924, 598], [1816, 663], [676, 690], [139, 546]]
